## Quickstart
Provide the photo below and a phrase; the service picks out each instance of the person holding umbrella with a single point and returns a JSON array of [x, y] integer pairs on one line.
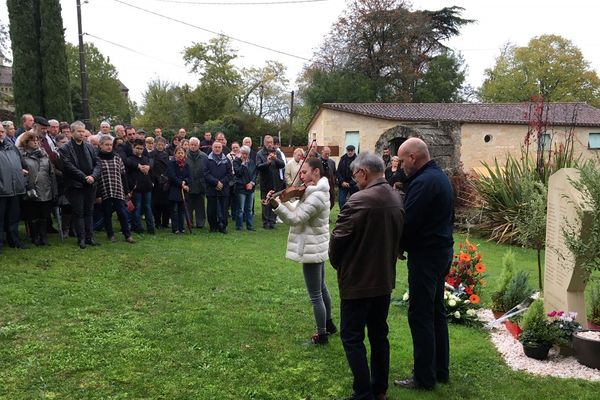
[[179, 176]]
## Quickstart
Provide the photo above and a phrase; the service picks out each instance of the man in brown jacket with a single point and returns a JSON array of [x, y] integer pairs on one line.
[[363, 248]]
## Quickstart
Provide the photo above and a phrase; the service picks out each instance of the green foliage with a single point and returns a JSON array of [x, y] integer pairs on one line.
[[587, 251], [4, 44], [163, 107], [107, 102], [518, 289], [56, 88], [536, 327], [442, 81], [27, 66], [389, 52], [508, 268], [593, 301], [549, 65]]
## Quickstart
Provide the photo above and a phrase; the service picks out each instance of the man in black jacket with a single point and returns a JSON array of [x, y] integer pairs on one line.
[[268, 164], [196, 160], [345, 182], [81, 170], [364, 251], [427, 239], [138, 168]]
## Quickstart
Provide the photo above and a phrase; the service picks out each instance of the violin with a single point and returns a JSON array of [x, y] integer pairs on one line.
[[291, 192]]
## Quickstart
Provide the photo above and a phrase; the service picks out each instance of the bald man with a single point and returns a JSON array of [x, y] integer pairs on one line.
[[427, 238]]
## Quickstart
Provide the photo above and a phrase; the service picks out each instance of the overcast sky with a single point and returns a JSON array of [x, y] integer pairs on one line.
[[148, 46]]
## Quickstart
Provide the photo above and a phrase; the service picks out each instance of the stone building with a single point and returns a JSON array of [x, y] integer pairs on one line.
[[457, 133]]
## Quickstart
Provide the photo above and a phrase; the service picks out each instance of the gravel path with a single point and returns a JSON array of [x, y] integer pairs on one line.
[[556, 365]]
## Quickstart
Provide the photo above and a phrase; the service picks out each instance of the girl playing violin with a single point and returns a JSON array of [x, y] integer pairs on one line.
[[308, 240]]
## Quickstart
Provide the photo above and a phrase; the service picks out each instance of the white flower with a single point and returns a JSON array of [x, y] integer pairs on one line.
[[452, 303], [471, 312], [446, 295], [405, 297], [467, 302], [457, 314]]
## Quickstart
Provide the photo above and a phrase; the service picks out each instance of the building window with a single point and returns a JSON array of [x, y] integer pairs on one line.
[[594, 141], [545, 141], [487, 138], [352, 138]]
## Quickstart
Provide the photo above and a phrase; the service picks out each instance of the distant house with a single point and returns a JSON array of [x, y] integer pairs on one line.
[[6, 90], [467, 133]]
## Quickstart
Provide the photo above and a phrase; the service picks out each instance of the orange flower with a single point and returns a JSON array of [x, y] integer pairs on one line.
[[474, 299], [471, 247], [479, 267], [464, 257]]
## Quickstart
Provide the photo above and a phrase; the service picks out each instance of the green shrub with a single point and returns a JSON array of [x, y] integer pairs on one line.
[[594, 301], [508, 263], [517, 290]]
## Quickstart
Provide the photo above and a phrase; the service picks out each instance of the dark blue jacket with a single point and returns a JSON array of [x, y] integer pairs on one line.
[[176, 176], [429, 205], [244, 174], [218, 169]]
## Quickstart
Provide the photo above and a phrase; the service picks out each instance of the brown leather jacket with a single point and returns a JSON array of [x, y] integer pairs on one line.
[[365, 242]]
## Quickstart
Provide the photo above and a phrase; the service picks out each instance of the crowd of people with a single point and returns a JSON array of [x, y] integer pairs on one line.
[[58, 173], [61, 178]]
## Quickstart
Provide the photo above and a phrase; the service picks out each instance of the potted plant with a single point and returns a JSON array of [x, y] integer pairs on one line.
[[538, 332], [593, 316], [566, 325]]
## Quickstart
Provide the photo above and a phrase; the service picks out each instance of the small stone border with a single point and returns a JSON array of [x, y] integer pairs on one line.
[[512, 352]]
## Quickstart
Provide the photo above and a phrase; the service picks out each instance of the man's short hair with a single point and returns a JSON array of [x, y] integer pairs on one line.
[[53, 121], [64, 125], [370, 162], [139, 142], [6, 124], [194, 139], [76, 125], [161, 139]]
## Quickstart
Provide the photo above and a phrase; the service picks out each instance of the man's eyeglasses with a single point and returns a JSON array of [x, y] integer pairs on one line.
[[355, 172]]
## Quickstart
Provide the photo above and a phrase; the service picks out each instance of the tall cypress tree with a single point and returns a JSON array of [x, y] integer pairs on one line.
[[55, 76], [26, 70]]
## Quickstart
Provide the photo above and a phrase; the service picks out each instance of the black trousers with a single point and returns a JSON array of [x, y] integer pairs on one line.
[[82, 203], [197, 209], [216, 212], [427, 315], [268, 215], [371, 313], [10, 214]]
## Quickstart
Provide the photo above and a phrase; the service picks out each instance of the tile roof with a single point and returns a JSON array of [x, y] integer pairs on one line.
[[569, 114]]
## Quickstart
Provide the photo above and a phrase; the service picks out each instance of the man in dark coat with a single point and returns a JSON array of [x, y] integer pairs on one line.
[[161, 208], [330, 173], [268, 164], [427, 239], [217, 175], [196, 160], [364, 251], [81, 170], [346, 184]]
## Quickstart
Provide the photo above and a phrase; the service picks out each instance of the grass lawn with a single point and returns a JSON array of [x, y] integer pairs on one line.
[[209, 316]]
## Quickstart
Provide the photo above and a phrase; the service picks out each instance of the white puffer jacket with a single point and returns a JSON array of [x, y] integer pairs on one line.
[[308, 240]]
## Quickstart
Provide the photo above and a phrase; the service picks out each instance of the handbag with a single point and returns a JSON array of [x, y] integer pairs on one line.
[[130, 206]]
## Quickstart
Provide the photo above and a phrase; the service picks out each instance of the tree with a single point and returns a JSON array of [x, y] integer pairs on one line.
[[107, 102], [4, 44], [26, 68], [549, 66], [162, 106], [264, 92], [442, 80], [390, 46], [56, 91]]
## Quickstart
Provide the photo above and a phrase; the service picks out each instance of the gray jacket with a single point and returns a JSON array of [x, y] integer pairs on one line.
[[196, 161], [12, 181], [41, 175]]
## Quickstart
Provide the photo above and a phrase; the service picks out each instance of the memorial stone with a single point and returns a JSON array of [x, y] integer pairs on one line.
[[564, 279]]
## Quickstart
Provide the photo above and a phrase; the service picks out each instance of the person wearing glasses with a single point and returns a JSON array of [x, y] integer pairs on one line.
[[364, 247]]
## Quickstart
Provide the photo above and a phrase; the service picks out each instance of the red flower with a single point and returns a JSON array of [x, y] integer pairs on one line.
[[468, 290]]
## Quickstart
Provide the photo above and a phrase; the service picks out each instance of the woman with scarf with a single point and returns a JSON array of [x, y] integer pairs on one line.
[[179, 185], [41, 188]]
